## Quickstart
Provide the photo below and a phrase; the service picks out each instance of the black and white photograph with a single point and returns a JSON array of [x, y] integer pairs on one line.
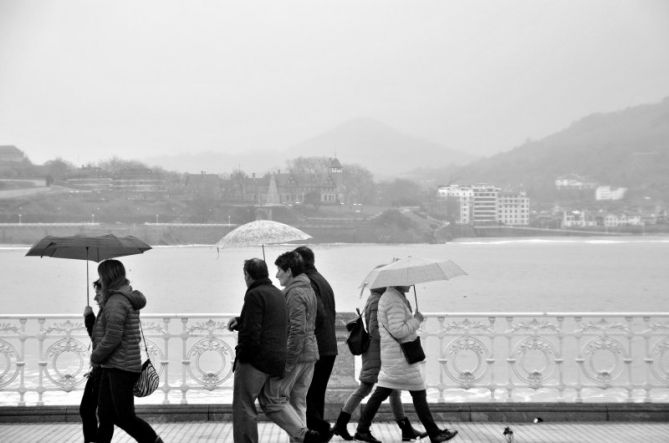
[[334, 220]]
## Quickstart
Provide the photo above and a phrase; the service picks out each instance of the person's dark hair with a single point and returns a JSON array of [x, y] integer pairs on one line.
[[290, 260], [97, 285], [112, 274], [256, 268], [307, 255], [377, 290]]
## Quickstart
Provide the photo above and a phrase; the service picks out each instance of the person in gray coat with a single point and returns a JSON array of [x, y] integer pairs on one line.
[[284, 399], [371, 364]]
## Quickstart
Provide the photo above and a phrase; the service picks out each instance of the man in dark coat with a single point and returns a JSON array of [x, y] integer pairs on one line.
[[261, 347], [327, 344]]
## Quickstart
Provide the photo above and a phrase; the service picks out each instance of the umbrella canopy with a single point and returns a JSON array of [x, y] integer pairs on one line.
[[260, 233], [88, 247], [411, 271]]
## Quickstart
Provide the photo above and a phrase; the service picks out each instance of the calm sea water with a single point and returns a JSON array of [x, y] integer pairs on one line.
[[556, 274]]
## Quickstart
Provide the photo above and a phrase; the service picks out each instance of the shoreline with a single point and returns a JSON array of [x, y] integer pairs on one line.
[[190, 234]]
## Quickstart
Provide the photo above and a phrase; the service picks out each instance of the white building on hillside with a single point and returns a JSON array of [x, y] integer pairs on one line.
[[464, 196], [578, 219], [609, 193], [484, 208], [513, 208]]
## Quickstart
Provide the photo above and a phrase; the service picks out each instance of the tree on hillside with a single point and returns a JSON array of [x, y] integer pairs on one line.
[[309, 166], [400, 192], [58, 169], [116, 166], [359, 184]]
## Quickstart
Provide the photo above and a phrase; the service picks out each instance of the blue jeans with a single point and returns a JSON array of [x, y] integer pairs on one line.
[[284, 400], [248, 384]]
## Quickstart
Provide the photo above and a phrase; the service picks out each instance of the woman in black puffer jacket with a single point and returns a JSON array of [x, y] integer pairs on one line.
[[116, 338]]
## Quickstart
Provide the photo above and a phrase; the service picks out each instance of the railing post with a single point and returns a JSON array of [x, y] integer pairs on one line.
[[343, 379]]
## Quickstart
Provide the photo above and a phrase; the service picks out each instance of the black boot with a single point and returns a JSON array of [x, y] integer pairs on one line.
[[312, 436], [366, 436], [408, 431], [340, 427], [443, 435]]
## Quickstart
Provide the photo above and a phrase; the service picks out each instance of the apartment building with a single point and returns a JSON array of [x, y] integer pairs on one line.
[[484, 207], [487, 204], [463, 197], [513, 208]]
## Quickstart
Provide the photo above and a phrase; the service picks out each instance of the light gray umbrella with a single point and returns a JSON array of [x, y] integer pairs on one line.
[[410, 271], [261, 233]]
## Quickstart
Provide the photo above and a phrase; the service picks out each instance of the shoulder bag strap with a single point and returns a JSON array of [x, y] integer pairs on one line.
[[384, 327], [143, 338]]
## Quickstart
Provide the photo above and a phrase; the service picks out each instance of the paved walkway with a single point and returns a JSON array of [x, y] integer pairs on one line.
[[470, 432]]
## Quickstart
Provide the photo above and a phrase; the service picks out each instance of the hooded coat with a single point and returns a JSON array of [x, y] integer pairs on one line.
[[116, 334], [395, 318], [371, 358], [301, 304]]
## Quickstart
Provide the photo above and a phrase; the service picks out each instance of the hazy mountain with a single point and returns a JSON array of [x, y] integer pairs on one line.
[[369, 143], [626, 148], [378, 147]]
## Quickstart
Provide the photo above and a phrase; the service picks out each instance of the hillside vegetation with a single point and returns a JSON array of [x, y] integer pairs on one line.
[[628, 148]]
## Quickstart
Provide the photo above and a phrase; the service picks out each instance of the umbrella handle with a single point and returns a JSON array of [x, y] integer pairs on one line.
[[415, 297], [88, 297]]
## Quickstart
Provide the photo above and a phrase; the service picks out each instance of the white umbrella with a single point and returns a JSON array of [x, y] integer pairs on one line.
[[410, 271], [261, 233]]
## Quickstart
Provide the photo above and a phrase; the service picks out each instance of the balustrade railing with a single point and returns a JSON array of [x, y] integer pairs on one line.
[[501, 357]]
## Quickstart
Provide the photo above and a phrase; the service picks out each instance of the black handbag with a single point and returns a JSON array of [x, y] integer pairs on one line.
[[412, 350], [358, 338]]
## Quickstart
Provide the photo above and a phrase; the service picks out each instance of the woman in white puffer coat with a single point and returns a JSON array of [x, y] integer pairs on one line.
[[398, 325]]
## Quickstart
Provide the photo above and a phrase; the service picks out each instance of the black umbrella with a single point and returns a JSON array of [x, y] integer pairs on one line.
[[88, 247]]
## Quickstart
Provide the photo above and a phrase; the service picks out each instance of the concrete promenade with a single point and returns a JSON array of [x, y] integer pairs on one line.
[[469, 432], [476, 423]]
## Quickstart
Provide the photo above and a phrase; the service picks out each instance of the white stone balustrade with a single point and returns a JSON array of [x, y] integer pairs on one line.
[[495, 356]]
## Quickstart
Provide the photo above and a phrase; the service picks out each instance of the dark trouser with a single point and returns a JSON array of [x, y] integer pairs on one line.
[[419, 403], [117, 407], [316, 394], [89, 407]]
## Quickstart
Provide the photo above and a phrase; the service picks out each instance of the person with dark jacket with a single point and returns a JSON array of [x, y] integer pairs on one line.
[[369, 374], [89, 400], [327, 344], [116, 338], [261, 347]]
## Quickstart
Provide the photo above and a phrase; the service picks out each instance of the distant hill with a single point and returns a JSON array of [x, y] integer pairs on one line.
[[627, 148], [367, 142], [378, 147]]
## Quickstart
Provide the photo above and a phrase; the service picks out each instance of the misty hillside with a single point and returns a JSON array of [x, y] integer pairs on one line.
[[378, 147], [626, 148], [366, 142]]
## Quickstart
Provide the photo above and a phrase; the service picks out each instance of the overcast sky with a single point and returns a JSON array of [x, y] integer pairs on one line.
[[87, 80]]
